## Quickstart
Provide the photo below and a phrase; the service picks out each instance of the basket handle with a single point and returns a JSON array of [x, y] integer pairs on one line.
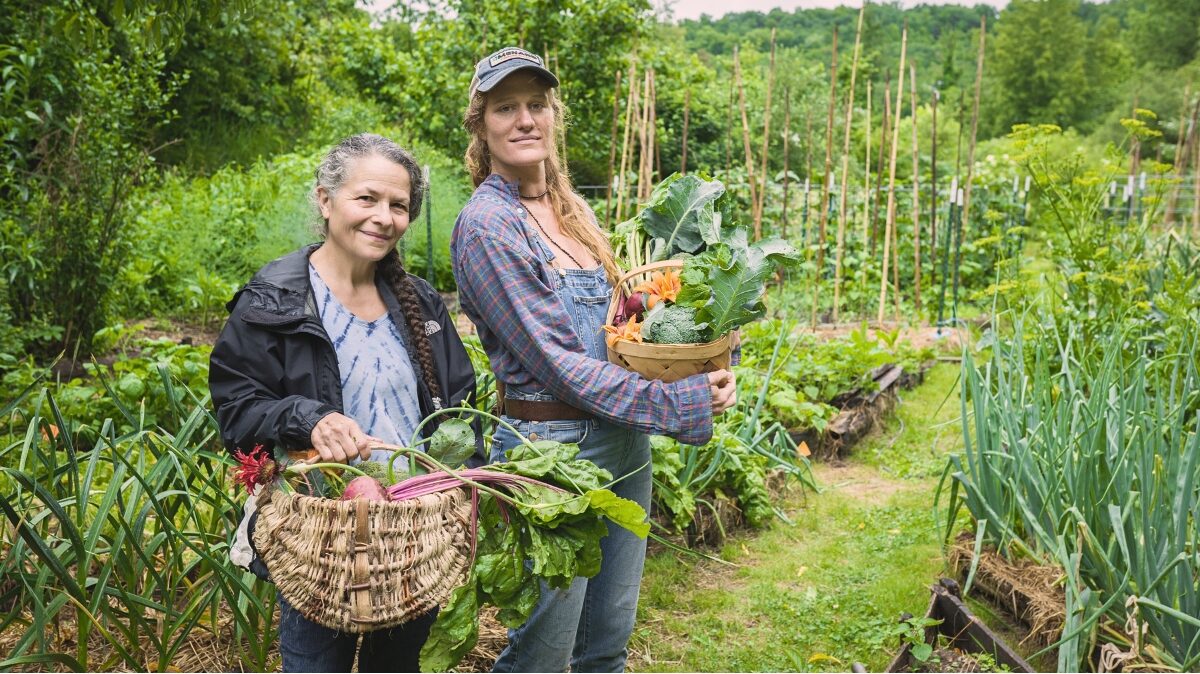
[[618, 292], [311, 456], [652, 267], [360, 578]]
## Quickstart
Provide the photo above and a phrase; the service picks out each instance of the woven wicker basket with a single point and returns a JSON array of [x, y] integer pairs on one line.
[[668, 362], [358, 566]]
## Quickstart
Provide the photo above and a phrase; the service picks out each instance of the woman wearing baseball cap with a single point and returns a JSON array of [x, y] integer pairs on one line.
[[535, 274]]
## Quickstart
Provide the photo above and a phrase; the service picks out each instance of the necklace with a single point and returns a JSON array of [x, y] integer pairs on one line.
[[536, 196], [552, 241]]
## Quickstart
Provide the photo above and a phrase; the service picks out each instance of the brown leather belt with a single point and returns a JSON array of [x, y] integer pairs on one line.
[[536, 410]]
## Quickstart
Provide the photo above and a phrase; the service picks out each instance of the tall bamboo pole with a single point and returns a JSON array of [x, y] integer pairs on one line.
[[631, 103], [825, 181], [766, 145], [646, 153], [966, 209], [866, 194], [808, 143], [787, 133], [687, 104], [612, 151], [1196, 188], [891, 204], [729, 127], [933, 178], [1180, 157], [884, 132], [841, 233], [737, 74], [916, 193], [654, 134], [826, 177]]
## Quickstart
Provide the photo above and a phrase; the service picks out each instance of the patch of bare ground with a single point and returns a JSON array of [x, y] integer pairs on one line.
[[920, 336], [861, 482]]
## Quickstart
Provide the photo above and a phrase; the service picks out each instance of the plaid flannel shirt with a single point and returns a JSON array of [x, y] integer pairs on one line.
[[507, 292]]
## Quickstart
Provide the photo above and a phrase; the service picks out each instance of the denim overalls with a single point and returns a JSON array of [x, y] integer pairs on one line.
[[587, 625]]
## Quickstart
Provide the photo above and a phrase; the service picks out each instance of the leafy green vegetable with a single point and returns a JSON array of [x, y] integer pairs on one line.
[[682, 216], [453, 442], [546, 535], [725, 282]]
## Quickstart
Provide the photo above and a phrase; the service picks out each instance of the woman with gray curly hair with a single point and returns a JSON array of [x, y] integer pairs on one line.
[[335, 347]]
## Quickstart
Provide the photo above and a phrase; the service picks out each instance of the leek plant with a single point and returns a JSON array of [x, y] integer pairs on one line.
[[1088, 456], [115, 555]]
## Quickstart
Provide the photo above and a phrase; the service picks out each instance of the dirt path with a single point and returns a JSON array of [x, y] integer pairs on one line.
[[822, 592]]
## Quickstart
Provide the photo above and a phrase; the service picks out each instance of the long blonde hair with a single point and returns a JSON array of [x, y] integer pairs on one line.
[[574, 217]]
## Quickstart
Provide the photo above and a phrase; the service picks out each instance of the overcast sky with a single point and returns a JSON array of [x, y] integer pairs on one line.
[[692, 9]]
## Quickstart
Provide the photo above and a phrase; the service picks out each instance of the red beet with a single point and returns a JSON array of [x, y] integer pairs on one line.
[[364, 486], [635, 305]]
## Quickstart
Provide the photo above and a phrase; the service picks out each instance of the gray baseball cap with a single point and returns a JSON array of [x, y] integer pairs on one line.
[[492, 69]]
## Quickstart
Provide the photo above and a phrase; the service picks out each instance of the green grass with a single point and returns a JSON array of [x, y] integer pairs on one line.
[[824, 592]]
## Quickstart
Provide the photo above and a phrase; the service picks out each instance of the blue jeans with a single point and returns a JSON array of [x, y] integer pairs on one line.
[[588, 624], [309, 647]]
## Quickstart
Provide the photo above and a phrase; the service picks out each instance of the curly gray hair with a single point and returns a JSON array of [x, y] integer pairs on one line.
[[335, 168]]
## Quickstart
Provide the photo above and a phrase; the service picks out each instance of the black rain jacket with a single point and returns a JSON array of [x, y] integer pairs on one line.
[[274, 374]]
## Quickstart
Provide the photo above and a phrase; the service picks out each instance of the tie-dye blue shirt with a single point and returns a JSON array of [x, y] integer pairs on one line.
[[379, 387]]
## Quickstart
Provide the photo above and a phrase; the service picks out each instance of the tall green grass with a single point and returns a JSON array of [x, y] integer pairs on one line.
[[116, 555], [1088, 456]]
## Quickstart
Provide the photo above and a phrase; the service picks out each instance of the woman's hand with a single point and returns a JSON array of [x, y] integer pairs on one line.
[[337, 437], [724, 390]]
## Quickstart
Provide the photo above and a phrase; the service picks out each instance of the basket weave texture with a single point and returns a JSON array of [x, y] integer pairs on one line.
[[668, 362], [358, 566]]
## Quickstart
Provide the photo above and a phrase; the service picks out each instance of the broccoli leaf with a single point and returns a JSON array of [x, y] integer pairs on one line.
[[682, 213]]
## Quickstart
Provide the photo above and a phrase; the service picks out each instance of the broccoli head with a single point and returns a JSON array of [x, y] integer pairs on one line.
[[673, 324]]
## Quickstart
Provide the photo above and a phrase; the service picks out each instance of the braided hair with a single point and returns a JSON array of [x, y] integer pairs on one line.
[[331, 175]]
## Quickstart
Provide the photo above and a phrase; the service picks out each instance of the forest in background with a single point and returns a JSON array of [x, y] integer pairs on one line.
[[155, 153]]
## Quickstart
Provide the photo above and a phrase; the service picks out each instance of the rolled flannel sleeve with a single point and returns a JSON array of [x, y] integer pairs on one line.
[[508, 293]]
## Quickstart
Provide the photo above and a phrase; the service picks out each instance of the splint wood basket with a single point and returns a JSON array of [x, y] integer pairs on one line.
[[358, 566], [667, 362]]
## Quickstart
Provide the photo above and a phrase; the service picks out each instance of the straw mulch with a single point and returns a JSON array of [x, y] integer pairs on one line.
[[1031, 592]]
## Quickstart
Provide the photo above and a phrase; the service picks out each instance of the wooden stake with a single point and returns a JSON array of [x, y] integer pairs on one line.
[[631, 103], [966, 209], [612, 152], [1180, 158], [867, 172], [687, 104], [737, 74], [654, 134], [766, 144], [933, 208], [884, 132], [825, 182], [826, 177], [916, 194], [866, 194], [787, 133], [1196, 187], [645, 156], [729, 125], [891, 204], [841, 233]]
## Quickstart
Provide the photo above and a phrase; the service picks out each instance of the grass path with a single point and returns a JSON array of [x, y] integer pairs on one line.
[[825, 591]]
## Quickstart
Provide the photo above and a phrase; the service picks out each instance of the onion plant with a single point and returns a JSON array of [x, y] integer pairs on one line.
[[1088, 456], [116, 554]]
